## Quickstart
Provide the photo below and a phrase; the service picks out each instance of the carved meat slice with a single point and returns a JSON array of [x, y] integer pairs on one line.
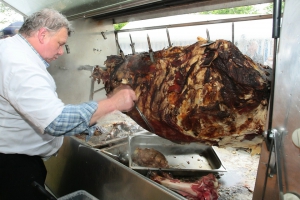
[[149, 157], [205, 188], [212, 94]]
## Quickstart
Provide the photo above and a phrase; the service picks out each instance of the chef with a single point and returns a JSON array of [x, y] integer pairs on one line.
[[33, 120]]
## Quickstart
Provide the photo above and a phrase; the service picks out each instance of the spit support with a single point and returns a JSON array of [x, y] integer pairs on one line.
[[150, 49], [132, 45], [121, 52], [208, 41], [169, 40]]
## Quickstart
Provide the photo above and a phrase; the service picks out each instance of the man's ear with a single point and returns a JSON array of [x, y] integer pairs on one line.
[[42, 33]]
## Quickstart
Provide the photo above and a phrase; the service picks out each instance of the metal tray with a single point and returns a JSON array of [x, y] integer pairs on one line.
[[184, 159]]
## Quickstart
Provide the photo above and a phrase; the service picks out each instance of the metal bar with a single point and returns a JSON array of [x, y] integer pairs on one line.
[[232, 32], [99, 90], [120, 50], [267, 169], [168, 35], [132, 45], [277, 148], [92, 88], [271, 102], [110, 8], [259, 17], [150, 49], [275, 35]]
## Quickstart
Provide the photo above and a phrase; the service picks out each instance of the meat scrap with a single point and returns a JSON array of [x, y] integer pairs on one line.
[[149, 157], [205, 188], [212, 94]]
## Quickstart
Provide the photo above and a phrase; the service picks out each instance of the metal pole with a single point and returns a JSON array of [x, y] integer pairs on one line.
[[275, 35], [232, 40]]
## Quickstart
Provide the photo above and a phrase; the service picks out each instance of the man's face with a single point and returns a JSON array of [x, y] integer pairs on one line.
[[53, 45]]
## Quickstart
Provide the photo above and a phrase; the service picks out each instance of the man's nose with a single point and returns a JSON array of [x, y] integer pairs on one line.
[[60, 50]]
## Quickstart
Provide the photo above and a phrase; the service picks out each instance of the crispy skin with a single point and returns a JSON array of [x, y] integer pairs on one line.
[[211, 94]]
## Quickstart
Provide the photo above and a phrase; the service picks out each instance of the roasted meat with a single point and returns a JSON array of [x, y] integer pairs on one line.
[[205, 188], [149, 157], [212, 94]]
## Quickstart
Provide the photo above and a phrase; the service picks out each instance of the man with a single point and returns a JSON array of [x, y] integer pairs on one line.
[[32, 118]]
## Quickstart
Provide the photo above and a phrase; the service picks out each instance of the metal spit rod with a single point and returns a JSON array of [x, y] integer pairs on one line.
[[150, 49], [168, 35], [132, 44], [274, 137]]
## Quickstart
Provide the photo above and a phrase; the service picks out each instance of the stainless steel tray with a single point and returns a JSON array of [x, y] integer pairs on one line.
[[184, 159]]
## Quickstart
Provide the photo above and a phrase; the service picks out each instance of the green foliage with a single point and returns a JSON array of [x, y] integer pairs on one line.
[[244, 10], [236, 10], [7, 12], [119, 26], [269, 8]]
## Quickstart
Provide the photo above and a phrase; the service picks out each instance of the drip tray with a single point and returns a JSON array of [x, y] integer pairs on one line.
[[183, 159]]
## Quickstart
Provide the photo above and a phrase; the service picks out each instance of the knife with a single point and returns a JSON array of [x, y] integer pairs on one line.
[[144, 119]]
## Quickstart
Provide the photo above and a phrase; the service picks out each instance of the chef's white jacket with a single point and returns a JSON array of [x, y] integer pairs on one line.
[[28, 101]]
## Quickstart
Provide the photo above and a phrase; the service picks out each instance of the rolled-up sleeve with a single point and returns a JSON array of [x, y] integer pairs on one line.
[[74, 119]]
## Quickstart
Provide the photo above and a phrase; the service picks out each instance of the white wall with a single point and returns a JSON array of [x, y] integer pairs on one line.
[[73, 85]]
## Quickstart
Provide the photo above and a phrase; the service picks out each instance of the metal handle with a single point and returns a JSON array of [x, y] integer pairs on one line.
[[276, 18]]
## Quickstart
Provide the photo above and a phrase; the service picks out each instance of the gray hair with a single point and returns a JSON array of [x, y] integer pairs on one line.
[[48, 18]]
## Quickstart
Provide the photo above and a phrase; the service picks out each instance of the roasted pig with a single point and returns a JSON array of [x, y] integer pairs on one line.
[[212, 94]]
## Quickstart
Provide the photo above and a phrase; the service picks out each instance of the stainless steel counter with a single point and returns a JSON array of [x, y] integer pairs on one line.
[[78, 167]]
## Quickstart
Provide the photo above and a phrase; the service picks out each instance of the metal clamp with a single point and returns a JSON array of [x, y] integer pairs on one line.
[[274, 138]]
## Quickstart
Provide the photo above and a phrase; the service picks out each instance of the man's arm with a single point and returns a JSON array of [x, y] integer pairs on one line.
[[76, 119]]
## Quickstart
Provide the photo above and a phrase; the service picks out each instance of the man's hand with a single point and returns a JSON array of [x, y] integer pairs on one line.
[[123, 97]]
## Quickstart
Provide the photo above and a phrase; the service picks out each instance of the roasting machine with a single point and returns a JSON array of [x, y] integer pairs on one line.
[[93, 165]]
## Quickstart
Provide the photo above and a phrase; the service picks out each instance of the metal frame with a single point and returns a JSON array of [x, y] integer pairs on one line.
[[239, 19]]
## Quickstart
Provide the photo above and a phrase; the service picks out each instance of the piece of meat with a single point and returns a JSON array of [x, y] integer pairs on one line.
[[205, 188], [149, 157], [212, 94]]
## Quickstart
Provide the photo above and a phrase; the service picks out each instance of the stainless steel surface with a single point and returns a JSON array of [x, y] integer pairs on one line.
[[286, 111], [118, 152], [81, 168], [183, 159], [76, 9], [123, 10], [278, 155]]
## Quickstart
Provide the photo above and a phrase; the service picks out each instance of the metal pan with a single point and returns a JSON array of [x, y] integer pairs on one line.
[[184, 159]]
